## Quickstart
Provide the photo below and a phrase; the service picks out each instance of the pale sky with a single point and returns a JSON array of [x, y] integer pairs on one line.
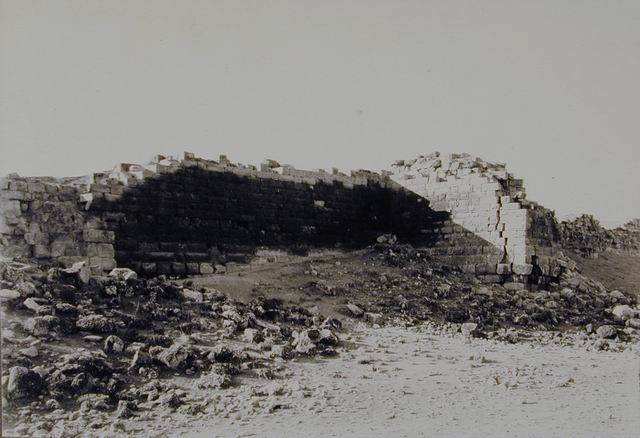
[[549, 87]]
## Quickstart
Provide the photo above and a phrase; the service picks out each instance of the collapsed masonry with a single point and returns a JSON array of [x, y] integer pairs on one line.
[[493, 230]]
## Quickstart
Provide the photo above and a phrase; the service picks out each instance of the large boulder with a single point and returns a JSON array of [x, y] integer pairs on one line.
[[305, 342], [41, 325], [624, 312], [354, 310], [81, 270], [9, 295], [606, 332], [96, 323], [113, 344], [23, 384], [123, 274], [175, 357]]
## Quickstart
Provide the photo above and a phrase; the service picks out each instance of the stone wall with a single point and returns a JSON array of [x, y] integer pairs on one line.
[[41, 218], [186, 216], [486, 204]]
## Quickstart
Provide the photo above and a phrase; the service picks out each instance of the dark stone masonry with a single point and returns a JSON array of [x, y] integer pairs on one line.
[[182, 222], [193, 215]]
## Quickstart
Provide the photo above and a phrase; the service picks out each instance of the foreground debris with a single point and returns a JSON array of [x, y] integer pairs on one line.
[[399, 283], [77, 348], [89, 353]]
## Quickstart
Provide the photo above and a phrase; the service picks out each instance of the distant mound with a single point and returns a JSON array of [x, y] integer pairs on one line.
[[586, 237]]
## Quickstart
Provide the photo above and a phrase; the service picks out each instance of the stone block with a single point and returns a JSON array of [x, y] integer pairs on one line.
[[490, 278], [522, 269], [102, 250], [193, 268], [17, 185], [61, 248], [17, 195], [178, 268], [206, 268], [514, 286], [148, 268], [102, 264], [98, 236], [163, 267]]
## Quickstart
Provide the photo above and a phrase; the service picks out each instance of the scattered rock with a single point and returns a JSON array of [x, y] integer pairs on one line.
[[373, 318], [624, 312], [125, 409], [32, 305], [29, 352], [606, 332], [468, 328], [389, 239], [123, 274], [354, 310], [192, 295], [8, 295], [175, 356], [80, 270], [52, 404], [113, 344], [24, 383], [303, 343], [96, 323], [41, 325]]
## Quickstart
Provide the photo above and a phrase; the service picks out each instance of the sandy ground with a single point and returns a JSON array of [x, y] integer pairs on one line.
[[415, 383]]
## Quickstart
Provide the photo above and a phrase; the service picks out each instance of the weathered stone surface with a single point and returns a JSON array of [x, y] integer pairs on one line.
[[81, 270], [606, 332], [192, 295], [113, 344], [625, 312], [24, 383], [490, 217], [354, 310], [96, 323], [123, 274], [9, 295]]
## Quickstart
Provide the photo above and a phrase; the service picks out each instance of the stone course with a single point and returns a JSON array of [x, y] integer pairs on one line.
[[192, 215]]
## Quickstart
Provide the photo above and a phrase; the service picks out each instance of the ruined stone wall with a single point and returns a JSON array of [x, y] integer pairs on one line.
[[185, 216], [493, 229], [42, 218]]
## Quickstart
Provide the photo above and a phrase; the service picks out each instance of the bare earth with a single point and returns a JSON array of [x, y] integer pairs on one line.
[[424, 380], [408, 382], [616, 271]]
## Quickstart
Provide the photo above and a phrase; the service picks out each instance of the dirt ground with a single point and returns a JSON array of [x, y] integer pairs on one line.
[[419, 382], [412, 375], [275, 274], [615, 271]]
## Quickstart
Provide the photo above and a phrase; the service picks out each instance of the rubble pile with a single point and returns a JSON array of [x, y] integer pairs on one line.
[[81, 350], [588, 238], [418, 290]]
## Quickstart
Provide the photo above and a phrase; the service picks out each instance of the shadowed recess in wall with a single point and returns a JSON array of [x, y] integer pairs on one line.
[[179, 222]]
